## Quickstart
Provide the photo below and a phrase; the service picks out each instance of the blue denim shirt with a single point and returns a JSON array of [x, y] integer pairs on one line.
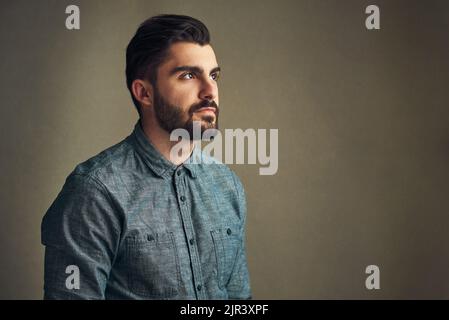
[[139, 227]]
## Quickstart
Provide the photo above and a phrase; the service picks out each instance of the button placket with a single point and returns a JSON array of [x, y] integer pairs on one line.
[[181, 185]]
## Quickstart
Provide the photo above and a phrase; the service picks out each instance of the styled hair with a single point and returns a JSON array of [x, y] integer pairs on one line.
[[150, 45]]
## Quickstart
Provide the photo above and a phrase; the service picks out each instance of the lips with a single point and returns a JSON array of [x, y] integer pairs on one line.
[[206, 109]]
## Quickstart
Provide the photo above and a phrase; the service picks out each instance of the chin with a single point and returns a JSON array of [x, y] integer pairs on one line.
[[208, 122]]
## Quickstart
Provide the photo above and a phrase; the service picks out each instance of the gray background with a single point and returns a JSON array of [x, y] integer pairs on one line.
[[363, 133]]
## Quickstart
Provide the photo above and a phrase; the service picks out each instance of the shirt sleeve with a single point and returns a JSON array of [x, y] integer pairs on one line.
[[239, 286], [81, 234]]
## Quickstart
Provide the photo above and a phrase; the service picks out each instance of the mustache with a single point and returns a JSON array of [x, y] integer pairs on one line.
[[204, 104]]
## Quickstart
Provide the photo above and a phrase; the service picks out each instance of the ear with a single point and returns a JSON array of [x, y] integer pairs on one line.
[[143, 92]]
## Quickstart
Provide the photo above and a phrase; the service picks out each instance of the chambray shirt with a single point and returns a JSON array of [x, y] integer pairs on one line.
[[137, 226]]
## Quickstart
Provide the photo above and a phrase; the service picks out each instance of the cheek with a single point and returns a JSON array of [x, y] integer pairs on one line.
[[176, 93], [182, 97]]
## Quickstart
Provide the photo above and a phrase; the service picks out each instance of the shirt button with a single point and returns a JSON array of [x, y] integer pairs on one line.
[[191, 241], [229, 231], [183, 198], [179, 173], [199, 287]]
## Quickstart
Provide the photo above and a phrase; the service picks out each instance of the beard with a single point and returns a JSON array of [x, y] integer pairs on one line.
[[171, 117]]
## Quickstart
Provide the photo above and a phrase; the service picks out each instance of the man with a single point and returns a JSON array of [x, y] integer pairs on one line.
[[137, 221]]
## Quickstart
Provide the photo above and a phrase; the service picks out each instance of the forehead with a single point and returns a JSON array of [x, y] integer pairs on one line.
[[190, 54]]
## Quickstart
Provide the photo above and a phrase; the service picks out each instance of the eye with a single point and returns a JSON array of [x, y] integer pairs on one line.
[[187, 76], [215, 76]]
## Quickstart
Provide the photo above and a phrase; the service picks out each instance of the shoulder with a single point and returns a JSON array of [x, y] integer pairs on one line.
[[101, 168]]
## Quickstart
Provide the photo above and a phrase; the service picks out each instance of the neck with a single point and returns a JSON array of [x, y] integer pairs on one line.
[[160, 139]]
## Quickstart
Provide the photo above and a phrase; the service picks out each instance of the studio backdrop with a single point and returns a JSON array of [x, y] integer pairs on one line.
[[358, 98]]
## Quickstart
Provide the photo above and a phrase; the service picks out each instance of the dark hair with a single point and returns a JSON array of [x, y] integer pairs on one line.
[[148, 48]]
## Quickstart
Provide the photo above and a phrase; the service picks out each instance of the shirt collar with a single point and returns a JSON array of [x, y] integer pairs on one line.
[[155, 160]]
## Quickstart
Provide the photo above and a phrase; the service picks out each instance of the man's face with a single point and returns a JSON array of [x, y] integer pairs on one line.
[[186, 88]]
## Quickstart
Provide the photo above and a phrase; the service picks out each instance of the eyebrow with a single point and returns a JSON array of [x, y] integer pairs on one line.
[[194, 69]]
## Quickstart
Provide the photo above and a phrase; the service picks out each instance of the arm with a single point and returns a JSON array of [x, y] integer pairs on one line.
[[81, 228], [239, 284]]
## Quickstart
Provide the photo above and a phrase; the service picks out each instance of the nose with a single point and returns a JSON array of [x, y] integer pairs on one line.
[[209, 90]]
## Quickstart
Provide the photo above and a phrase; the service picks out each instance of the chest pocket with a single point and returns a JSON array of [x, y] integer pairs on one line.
[[227, 242], [153, 265]]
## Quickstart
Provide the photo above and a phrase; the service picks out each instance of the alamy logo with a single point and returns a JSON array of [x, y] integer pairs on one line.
[[233, 138], [373, 280], [73, 20], [372, 22], [73, 280]]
